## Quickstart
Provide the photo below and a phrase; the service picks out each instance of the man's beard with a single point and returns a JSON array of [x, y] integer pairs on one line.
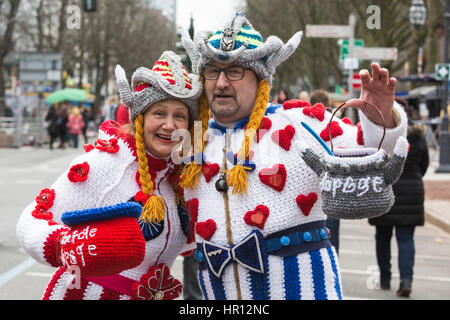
[[219, 110]]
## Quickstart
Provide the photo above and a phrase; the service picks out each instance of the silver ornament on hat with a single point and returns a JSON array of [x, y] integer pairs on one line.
[[201, 52]]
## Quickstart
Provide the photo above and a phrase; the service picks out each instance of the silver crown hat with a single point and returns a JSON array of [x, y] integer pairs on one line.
[[238, 43], [172, 82]]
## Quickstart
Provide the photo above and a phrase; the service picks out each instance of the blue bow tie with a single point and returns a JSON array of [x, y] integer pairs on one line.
[[248, 252]]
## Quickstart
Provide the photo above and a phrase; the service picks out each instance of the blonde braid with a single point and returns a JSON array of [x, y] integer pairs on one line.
[[155, 207], [237, 176], [189, 177]]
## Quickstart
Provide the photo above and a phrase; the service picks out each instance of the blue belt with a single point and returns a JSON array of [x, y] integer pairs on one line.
[[250, 251]]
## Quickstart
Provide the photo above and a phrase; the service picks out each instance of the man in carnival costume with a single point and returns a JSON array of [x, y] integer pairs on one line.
[[259, 223]]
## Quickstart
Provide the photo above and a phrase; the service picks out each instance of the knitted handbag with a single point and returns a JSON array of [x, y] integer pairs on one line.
[[103, 241], [356, 183]]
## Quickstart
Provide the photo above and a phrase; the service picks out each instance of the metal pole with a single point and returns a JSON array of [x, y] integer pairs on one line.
[[351, 44], [444, 139]]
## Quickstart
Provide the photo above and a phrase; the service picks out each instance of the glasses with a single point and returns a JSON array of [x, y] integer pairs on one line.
[[234, 73]]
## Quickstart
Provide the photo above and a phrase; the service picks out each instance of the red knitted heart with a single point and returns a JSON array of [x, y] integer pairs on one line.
[[206, 229], [284, 137], [265, 126], [336, 131], [360, 135], [347, 121], [306, 202], [316, 112], [295, 103], [274, 177], [191, 207], [257, 217], [210, 170]]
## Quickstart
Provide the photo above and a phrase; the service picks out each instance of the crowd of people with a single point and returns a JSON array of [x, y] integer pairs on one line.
[[118, 218], [65, 123]]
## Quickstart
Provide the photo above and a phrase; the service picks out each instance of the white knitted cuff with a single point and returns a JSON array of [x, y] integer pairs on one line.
[[373, 133]]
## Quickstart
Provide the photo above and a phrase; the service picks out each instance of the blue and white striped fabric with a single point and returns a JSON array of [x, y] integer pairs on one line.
[[317, 279]]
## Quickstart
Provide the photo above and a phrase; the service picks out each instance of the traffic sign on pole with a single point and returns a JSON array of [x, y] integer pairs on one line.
[[357, 83], [375, 53], [327, 31], [442, 71], [343, 43]]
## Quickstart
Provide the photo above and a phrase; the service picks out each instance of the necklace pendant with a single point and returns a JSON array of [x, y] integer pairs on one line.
[[221, 184]]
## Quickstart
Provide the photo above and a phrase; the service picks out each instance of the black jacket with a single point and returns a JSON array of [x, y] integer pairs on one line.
[[408, 190]]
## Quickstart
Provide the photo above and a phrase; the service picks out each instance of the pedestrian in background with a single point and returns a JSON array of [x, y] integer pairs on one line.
[[321, 96], [61, 122], [407, 212], [75, 125], [52, 125], [85, 114], [304, 95], [283, 96]]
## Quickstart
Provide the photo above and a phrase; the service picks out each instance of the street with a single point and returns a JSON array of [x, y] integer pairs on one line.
[[27, 170]]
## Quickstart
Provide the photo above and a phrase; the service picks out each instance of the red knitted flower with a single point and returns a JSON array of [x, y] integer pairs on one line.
[[110, 146], [79, 172], [88, 147], [45, 198], [157, 284], [40, 212]]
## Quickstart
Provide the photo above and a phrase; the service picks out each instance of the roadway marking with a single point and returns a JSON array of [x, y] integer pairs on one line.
[[372, 253], [14, 272], [29, 181], [39, 274], [395, 275]]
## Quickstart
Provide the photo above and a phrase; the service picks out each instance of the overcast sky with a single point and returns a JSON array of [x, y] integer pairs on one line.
[[207, 14]]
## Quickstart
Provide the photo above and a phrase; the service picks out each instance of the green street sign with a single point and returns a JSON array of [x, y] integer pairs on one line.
[[344, 46], [442, 71]]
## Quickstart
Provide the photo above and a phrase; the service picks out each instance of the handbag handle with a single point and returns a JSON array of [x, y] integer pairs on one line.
[[342, 105]]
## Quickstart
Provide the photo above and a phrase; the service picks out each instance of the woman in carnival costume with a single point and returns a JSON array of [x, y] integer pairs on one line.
[[266, 237], [114, 222]]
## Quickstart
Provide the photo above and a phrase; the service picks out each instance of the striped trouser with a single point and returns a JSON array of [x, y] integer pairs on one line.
[[312, 275]]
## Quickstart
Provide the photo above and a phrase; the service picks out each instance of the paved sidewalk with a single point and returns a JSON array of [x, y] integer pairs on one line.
[[437, 197]]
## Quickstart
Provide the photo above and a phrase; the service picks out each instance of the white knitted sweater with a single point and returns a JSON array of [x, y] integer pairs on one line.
[[111, 180], [313, 275]]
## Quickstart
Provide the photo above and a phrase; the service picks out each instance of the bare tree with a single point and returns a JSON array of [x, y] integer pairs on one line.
[[6, 46]]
